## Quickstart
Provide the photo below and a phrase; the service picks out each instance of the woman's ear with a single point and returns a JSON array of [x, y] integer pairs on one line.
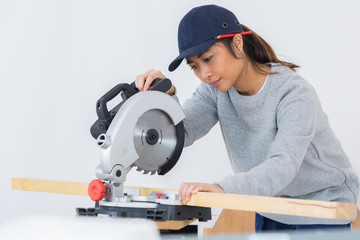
[[238, 44]]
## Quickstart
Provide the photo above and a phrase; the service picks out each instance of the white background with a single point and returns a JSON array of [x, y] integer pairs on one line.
[[58, 57]]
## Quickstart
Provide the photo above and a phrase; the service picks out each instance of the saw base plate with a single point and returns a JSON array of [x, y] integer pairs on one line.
[[162, 212]]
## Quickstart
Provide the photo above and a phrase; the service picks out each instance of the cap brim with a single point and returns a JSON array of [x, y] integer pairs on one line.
[[193, 51]]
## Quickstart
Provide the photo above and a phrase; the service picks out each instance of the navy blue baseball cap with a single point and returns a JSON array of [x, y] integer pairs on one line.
[[200, 28]]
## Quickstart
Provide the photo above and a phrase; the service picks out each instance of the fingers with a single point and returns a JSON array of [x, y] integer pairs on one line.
[[185, 192], [139, 82], [143, 81], [171, 91], [182, 191], [187, 189], [150, 78]]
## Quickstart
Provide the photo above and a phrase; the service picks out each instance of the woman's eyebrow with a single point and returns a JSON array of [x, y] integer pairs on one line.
[[198, 56]]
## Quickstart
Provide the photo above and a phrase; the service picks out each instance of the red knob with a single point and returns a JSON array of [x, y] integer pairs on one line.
[[159, 194], [96, 190]]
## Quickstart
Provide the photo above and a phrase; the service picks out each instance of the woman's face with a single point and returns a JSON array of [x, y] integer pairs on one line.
[[217, 67]]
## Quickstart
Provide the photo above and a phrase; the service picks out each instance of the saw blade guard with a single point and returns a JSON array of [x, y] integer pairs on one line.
[[134, 137]]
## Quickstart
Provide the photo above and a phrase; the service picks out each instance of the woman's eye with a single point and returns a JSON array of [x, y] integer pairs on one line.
[[207, 59], [193, 67]]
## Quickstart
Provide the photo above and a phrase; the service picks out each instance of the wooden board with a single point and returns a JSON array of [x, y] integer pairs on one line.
[[232, 222], [240, 222], [356, 223], [62, 187], [49, 186], [287, 206], [173, 225]]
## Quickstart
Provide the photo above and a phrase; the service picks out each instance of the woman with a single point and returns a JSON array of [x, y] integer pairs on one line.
[[277, 136]]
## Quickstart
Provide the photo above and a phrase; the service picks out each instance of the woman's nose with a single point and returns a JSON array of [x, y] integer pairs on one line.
[[206, 74]]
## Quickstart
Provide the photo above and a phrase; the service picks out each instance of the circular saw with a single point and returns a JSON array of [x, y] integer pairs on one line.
[[145, 131]]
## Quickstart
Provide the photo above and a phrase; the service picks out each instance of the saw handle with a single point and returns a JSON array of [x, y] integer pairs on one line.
[[101, 108], [126, 90], [159, 84]]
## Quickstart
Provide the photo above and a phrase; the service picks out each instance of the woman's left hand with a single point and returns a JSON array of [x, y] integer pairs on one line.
[[186, 189]]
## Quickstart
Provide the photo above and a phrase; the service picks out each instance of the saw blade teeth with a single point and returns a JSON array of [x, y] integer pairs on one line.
[[139, 169]]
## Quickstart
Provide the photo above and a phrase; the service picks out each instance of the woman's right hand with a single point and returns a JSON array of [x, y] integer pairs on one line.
[[143, 81], [187, 189]]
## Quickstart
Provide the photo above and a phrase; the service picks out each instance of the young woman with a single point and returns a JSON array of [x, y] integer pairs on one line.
[[278, 138]]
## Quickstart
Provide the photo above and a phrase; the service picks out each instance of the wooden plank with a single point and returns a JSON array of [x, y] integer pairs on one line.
[[243, 222], [287, 206], [356, 223], [232, 222], [173, 225], [49, 186], [62, 187], [144, 191]]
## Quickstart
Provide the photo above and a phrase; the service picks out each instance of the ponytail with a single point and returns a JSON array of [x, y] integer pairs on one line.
[[258, 51]]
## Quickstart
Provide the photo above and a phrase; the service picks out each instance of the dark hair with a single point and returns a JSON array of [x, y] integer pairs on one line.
[[257, 50]]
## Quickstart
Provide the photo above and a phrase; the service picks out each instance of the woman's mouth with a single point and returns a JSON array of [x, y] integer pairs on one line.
[[216, 83]]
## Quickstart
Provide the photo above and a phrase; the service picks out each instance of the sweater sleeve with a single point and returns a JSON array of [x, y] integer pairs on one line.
[[296, 126], [200, 113]]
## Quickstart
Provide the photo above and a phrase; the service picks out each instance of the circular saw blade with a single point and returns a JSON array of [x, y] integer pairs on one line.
[[155, 140]]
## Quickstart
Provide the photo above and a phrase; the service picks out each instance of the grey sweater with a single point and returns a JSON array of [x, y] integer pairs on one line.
[[279, 142]]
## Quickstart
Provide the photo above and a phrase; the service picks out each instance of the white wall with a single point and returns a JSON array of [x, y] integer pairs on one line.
[[58, 57]]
